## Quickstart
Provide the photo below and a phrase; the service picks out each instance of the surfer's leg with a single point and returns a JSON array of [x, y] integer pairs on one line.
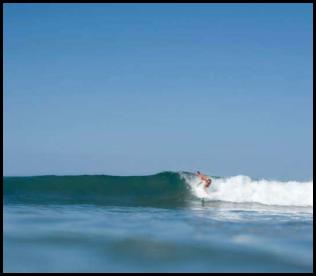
[[205, 189]]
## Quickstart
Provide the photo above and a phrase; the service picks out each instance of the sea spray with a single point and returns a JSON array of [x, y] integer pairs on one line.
[[243, 189]]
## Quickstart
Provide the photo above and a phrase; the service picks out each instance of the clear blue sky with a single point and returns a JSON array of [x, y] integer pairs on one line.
[[134, 89]]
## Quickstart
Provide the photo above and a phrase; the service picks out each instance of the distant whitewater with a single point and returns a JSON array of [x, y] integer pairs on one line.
[[166, 189]]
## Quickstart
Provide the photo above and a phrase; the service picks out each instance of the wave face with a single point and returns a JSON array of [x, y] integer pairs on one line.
[[166, 189]]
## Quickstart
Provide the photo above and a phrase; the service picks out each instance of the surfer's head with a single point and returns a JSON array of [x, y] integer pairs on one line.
[[198, 172]]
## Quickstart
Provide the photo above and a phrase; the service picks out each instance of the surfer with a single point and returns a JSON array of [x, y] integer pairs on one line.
[[207, 180]]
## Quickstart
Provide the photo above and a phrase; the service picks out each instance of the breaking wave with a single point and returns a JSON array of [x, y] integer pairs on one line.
[[166, 189]]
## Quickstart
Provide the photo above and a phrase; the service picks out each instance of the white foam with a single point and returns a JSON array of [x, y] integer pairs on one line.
[[242, 188]]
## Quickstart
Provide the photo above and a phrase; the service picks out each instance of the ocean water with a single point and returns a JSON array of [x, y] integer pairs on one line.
[[159, 223]]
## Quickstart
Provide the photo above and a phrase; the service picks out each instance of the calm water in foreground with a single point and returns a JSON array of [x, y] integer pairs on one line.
[[209, 238]]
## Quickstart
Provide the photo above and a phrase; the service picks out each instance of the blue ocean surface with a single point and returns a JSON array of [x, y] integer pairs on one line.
[[157, 223]]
